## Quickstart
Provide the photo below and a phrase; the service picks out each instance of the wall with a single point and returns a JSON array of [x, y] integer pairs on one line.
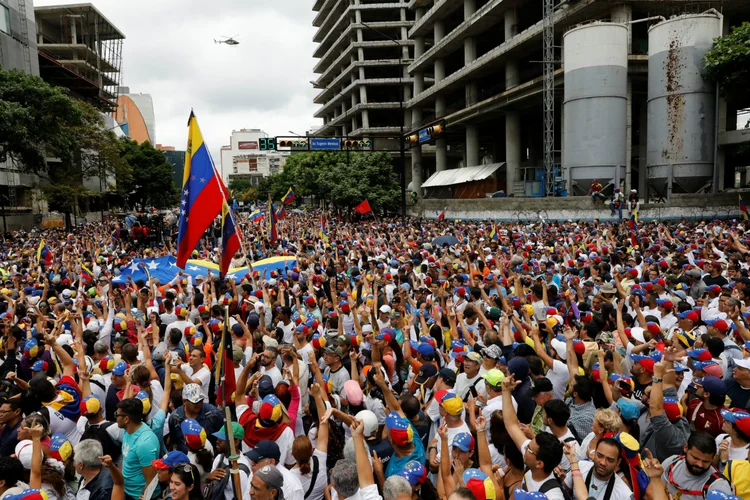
[[11, 51], [725, 205]]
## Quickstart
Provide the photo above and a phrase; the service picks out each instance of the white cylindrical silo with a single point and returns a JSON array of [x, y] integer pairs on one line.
[[681, 104], [595, 62]]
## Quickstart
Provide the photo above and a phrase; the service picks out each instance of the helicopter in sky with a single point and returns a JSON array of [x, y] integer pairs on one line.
[[229, 40]]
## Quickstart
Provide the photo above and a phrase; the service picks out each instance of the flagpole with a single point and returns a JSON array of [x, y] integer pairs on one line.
[[233, 457]]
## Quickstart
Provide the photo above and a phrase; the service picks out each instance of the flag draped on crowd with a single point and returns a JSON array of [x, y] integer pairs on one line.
[[493, 233], [86, 275], [203, 194]]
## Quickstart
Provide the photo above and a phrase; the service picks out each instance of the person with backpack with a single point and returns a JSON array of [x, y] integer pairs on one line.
[[218, 483], [311, 464], [599, 474], [692, 475], [94, 426], [541, 454]]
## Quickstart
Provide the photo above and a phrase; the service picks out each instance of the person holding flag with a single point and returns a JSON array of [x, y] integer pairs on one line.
[[43, 254], [288, 197]]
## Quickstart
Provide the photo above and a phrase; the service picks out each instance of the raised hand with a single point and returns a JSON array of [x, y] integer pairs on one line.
[[651, 466]]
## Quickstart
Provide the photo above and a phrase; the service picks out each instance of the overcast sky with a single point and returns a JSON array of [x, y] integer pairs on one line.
[[169, 52]]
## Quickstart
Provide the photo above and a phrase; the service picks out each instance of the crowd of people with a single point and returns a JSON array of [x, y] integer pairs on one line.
[[394, 359]]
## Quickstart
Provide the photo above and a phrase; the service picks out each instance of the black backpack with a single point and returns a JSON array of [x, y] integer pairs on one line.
[[99, 433], [214, 490], [549, 485]]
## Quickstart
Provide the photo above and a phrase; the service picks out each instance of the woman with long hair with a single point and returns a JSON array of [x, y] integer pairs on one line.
[[185, 483], [311, 464]]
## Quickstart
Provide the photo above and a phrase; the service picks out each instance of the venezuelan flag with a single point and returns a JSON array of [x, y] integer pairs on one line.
[[743, 207], [493, 233], [441, 215], [86, 275], [288, 197], [43, 253], [633, 223], [203, 194], [230, 238], [323, 232], [281, 212], [256, 215]]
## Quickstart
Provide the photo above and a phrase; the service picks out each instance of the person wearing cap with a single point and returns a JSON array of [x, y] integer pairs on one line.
[[266, 453], [541, 455], [334, 370], [193, 406], [734, 442], [668, 429], [541, 392], [96, 481], [738, 387], [164, 466], [267, 484], [140, 447], [493, 381], [558, 372], [466, 381], [221, 465], [93, 426], [451, 413], [705, 411]]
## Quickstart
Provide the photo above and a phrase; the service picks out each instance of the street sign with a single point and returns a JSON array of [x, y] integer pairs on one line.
[[325, 143], [424, 136]]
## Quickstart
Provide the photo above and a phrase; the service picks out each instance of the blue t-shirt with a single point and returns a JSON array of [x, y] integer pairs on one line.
[[139, 450], [395, 464]]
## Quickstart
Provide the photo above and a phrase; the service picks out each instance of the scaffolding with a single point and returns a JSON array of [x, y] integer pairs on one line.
[[79, 48]]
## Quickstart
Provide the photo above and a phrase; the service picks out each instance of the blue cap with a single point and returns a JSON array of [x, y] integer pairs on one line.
[[170, 460], [699, 365], [734, 416], [628, 409], [463, 441], [414, 472], [712, 385], [679, 368], [425, 349]]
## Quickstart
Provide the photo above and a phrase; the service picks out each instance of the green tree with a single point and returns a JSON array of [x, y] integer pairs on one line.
[[240, 185], [150, 181], [366, 176], [728, 63]]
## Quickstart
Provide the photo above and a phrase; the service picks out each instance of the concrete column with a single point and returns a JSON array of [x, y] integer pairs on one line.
[[441, 154], [512, 149], [511, 66], [642, 150], [629, 140], [472, 146], [416, 154], [510, 24], [623, 14], [470, 55]]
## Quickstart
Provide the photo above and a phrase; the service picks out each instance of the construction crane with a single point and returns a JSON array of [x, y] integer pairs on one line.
[[549, 96]]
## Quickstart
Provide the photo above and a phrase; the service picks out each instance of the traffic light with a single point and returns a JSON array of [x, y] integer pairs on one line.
[[412, 139], [435, 130], [292, 144], [356, 144], [413, 197]]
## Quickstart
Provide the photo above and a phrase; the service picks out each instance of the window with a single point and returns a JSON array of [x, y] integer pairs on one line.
[[4, 19]]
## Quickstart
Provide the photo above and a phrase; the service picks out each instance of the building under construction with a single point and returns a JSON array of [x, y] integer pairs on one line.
[[539, 97], [80, 49]]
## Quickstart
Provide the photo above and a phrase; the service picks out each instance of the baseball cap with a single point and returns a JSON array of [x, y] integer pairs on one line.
[[628, 409], [353, 392], [473, 356], [741, 418], [400, 430], [672, 408], [370, 421], [238, 432], [414, 472], [646, 362], [463, 441], [702, 365], [541, 385], [90, 405], [27, 494], [194, 433], [120, 368], [559, 347], [426, 371], [687, 339], [425, 349], [494, 378], [264, 449], [145, 400], [272, 476], [385, 309], [334, 350], [479, 484], [492, 351], [665, 303], [719, 324], [451, 403], [743, 363], [712, 385], [700, 354], [40, 366], [60, 448], [449, 376], [689, 314], [192, 393], [637, 333], [521, 494], [170, 460]]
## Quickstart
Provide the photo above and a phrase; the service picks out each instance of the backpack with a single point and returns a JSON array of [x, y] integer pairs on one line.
[[99, 433], [214, 490], [704, 490], [314, 477], [549, 485]]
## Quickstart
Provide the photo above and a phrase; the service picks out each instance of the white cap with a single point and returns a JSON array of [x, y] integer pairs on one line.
[[560, 348], [385, 309], [370, 421], [637, 333], [743, 363], [269, 342], [367, 328], [23, 453]]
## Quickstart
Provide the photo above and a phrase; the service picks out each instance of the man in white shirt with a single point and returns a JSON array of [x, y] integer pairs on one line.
[[267, 453], [221, 462], [493, 380], [599, 474], [195, 371], [468, 380]]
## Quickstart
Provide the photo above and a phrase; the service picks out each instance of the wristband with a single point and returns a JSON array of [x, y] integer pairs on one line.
[[576, 473]]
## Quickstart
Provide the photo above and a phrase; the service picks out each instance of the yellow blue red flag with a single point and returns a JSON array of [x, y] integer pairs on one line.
[[288, 197]]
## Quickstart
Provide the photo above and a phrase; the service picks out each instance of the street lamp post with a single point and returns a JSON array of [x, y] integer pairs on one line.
[[402, 151]]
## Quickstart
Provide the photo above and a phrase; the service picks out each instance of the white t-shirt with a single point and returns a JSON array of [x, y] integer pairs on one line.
[[59, 423], [531, 485], [496, 404], [273, 372], [244, 477], [292, 488], [734, 453], [203, 375], [598, 488], [288, 331], [559, 376], [568, 437], [320, 482], [452, 433], [464, 383]]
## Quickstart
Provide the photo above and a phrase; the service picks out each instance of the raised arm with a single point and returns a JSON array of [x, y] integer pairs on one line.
[[510, 417]]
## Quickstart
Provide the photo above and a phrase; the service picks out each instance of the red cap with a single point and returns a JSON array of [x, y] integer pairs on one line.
[[647, 364]]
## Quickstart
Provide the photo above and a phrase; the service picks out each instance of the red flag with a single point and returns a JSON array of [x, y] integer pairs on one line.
[[363, 208]]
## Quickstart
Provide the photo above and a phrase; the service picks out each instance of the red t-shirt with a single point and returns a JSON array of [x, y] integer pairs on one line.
[[703, 419]]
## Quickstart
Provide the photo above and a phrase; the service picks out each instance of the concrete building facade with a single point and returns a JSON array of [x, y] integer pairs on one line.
[[243, 159], [363, 51], [476, 66]]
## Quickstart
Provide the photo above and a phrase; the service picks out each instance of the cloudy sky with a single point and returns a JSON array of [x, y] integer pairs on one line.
[[169, 52]]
